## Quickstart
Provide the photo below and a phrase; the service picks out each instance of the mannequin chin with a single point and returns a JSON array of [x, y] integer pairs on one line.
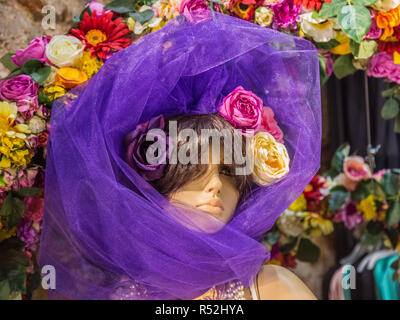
[[215, 193]]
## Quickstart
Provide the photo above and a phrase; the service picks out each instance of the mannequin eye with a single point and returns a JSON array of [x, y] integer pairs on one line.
[[225, 170]]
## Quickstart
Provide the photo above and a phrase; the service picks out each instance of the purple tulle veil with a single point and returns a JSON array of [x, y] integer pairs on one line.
[[105, 228]]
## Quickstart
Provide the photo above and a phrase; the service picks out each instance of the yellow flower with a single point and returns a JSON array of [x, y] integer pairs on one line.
[[6, 234], [368, 208], [89, 65], [388, 20], [69, 78], [344, 46], [95, 37], [317, 223], [263, 16], [271, 160], [54, 92], [300, 204]]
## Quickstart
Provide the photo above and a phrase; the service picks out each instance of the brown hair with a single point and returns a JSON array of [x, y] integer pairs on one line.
[[177, 175]]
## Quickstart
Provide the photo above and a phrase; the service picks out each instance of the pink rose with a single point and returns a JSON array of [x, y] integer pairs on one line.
[[355, 169], [374, 31], [243, 109], [36, 50], [188, 8], [381, 66], [23, 90], [96, 6], [269, 124]]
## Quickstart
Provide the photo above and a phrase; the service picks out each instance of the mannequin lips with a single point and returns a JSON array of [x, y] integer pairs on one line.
[[212, 206]]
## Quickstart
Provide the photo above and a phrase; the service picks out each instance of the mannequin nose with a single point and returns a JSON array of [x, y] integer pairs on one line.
[[214, 185]]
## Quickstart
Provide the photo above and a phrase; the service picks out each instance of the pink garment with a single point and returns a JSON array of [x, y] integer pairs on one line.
[[336, 288]]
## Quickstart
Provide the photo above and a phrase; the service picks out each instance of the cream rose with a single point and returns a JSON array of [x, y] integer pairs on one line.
[[271, 160], [36, 124], [264, 16], [64, 51], [385, 5]]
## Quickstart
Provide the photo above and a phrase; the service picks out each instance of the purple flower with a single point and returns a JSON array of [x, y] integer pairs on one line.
[[137, 149], [28, 234], [286, 14], [36, 51], [374, 31], [348, 215], [23, 90]]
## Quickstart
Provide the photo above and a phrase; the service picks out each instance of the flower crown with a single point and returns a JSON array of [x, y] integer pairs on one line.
[[246, 112]]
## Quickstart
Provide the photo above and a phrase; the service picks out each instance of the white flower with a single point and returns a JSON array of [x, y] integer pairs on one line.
[[319, 29], [290, 223], [385, 5], [50, 79], [64, 51], [36, 124], [152, 23]]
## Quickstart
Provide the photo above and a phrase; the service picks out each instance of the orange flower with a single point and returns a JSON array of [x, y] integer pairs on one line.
[[69, 78], [388, 20]]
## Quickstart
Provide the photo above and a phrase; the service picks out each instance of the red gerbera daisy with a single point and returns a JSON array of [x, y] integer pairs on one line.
[[311, 4], [101, 35]]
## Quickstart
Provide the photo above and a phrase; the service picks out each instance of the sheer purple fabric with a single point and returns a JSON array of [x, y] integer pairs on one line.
[[106, 230]]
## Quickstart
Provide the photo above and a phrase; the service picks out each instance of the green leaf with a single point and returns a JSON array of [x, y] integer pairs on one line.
[[288, 246], [388, 92], [6, 209], [397, 124], [337, 160], [17, 278], [43, 99], [87, 9], [339, 195], [363, 2], [327, 45], [121, 6], [15, 73], [355, 21], [143, 16], [18, 210], [343, 66], [364, 49], [27, 192], [41, 74], [370, 239], [363, 190], [31, 66], [377, 190], [307, 251], [393, 214], [323, 76], [390, 183], [375, 227], [329, 10], [390, 109], [8, 63], [4, 289], [315, 15]]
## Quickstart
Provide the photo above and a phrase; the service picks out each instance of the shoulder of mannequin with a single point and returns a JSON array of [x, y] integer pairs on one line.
[[278, 283]]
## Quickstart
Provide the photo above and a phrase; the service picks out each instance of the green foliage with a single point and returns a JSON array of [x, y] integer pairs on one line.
[[8, 63], [355, 21], [143, 16], [121, 6], [337, 161], [390, 183], [393, 214], [339, 195], [36, 70], [343, 66], [308, 251], [390, 109], [290, 245], [364, 49], [331, 9]]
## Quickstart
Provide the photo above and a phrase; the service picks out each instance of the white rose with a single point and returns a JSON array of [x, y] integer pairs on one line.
[[385, 5], [320, 30], [64, 51], [36, 124]]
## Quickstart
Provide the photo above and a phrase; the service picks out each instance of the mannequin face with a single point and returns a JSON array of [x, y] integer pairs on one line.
[[215, 193]]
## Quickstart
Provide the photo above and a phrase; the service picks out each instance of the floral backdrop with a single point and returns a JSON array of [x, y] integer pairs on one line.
[[350, 35]]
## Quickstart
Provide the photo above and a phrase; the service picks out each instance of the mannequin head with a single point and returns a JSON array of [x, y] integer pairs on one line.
[[212, 187]]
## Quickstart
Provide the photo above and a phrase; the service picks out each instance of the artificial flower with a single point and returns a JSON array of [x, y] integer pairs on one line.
[[263, 16], [139, 28], [54, 92], [271, 160], [23, 90], [136, 147], [36, 124], [97, 7], [387, 21], [381, 65], [28, 234], [192, 5], [300, 204], [50, 79], [311, 4], [286, 14], [317, 224], [64, 50], [102, 35], [6, 234], [166, 9], [35, 51], [243, 109], [355, 169], [242, 9], [289, 222], [69, 78], [374, 31], [321, 30], [269, 124], [343, 47], [385, 5], [89, 65], [348, 214], [326, 54], [368, 208], [315, 192]]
